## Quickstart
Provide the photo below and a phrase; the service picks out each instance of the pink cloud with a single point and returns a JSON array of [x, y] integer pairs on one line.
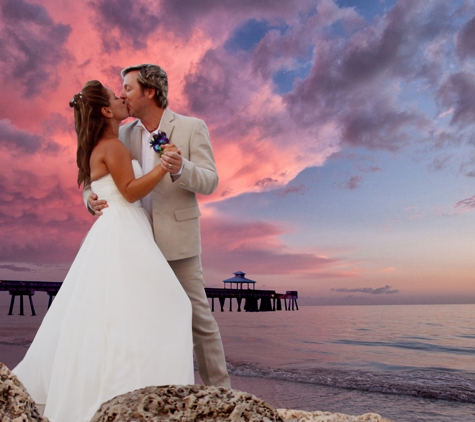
[[465, 204], [262, 139], [42, 217], [257, 247]]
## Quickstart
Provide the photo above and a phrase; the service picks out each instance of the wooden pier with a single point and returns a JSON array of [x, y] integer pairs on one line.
[[254, 300], [28, 288]]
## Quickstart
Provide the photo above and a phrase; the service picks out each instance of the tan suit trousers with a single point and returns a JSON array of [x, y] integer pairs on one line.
[[207, 344]]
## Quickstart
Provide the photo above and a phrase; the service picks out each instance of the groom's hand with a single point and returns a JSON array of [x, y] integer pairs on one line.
[[171, 160], [96, 204]]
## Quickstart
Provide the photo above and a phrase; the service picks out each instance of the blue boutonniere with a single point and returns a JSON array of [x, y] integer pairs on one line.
[[158, 140]]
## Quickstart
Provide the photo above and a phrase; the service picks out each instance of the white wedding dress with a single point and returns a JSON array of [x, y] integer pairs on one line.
[[120, 321]]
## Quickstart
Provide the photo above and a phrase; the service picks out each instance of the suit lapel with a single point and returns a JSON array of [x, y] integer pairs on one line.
[[136, 143], [167, 124]]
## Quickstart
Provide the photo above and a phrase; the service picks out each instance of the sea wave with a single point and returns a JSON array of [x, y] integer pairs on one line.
[[15, 341], [430, 384], [412, 345]]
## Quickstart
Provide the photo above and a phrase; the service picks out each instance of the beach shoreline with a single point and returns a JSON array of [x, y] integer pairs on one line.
[[269, 391], [243, 386], [324, 366]]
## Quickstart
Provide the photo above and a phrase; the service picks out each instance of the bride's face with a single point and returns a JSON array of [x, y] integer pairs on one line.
[[117, 106]]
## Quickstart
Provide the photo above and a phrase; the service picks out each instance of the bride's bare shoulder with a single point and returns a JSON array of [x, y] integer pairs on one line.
[[112, 147]]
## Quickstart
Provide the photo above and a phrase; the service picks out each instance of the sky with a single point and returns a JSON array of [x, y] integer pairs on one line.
[[342, 130]]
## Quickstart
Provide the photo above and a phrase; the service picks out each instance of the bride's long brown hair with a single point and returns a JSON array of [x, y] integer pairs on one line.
[[89, 123]]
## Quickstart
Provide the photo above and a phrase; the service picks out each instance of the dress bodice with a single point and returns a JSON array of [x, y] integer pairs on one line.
[[106, 189]]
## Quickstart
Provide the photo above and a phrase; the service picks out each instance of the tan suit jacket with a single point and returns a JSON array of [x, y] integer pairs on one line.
[[175, 208]]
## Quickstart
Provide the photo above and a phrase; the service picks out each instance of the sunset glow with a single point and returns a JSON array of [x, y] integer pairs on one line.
[[343, 137]]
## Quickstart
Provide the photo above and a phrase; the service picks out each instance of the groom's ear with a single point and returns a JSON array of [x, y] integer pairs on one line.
[[149, 92]]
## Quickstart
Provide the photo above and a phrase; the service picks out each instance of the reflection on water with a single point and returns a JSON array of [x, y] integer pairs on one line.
[[365, 337], [407, 363]]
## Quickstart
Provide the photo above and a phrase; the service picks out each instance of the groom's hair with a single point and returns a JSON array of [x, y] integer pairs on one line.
[[151, 76]]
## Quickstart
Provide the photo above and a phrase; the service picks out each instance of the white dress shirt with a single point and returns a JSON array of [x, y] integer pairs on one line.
[[148, 161]]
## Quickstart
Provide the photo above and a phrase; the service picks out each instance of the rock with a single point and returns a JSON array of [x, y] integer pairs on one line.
[[169, 403], [186, 403], [301, 416], [16, 405]]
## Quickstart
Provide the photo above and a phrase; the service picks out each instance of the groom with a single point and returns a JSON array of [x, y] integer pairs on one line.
[[172, 205]]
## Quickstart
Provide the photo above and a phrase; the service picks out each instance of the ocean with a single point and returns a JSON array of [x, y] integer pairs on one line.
[[407, 363]]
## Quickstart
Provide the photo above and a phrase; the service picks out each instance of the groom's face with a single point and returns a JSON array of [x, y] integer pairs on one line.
[[133, 95]]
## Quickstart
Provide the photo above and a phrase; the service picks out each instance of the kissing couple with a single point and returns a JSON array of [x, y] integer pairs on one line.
[[132, 308]]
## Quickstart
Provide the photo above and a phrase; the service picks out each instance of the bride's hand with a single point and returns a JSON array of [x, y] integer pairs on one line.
[[171, 160], [171, 148]]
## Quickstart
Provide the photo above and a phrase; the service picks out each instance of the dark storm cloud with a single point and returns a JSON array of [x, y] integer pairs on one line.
[[458, 92], [183, 15], [33, 45], [136, 22], [209, 87], [24, 142], [356, 82], [127, 21], [466, 40], [294, 44], [352, 82], [379, 125]]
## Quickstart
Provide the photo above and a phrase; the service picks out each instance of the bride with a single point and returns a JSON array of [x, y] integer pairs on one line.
[[121, 319]]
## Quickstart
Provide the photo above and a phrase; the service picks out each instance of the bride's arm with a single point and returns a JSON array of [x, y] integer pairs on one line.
[[117, 158]]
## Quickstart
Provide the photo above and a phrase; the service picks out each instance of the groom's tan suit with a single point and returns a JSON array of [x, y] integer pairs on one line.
[[174, 205], [176, 226]]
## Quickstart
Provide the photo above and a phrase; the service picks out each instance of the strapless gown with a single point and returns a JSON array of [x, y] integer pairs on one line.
[[120, 321]]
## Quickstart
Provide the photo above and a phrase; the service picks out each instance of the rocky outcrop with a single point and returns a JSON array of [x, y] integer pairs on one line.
[[16, 405], [169, 403], [186, 403], [204, 403], [301, 416]]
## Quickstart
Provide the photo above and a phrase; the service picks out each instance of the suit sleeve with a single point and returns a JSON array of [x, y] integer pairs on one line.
[[85, 195], [199, 173]]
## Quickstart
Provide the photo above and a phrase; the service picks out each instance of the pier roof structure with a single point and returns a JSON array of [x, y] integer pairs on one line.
[[240, 281]]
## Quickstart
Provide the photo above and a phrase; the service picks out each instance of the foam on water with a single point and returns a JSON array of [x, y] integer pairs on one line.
[[432, 384]]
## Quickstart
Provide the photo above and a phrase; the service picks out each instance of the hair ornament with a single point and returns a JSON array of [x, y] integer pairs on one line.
[[76, 98]]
